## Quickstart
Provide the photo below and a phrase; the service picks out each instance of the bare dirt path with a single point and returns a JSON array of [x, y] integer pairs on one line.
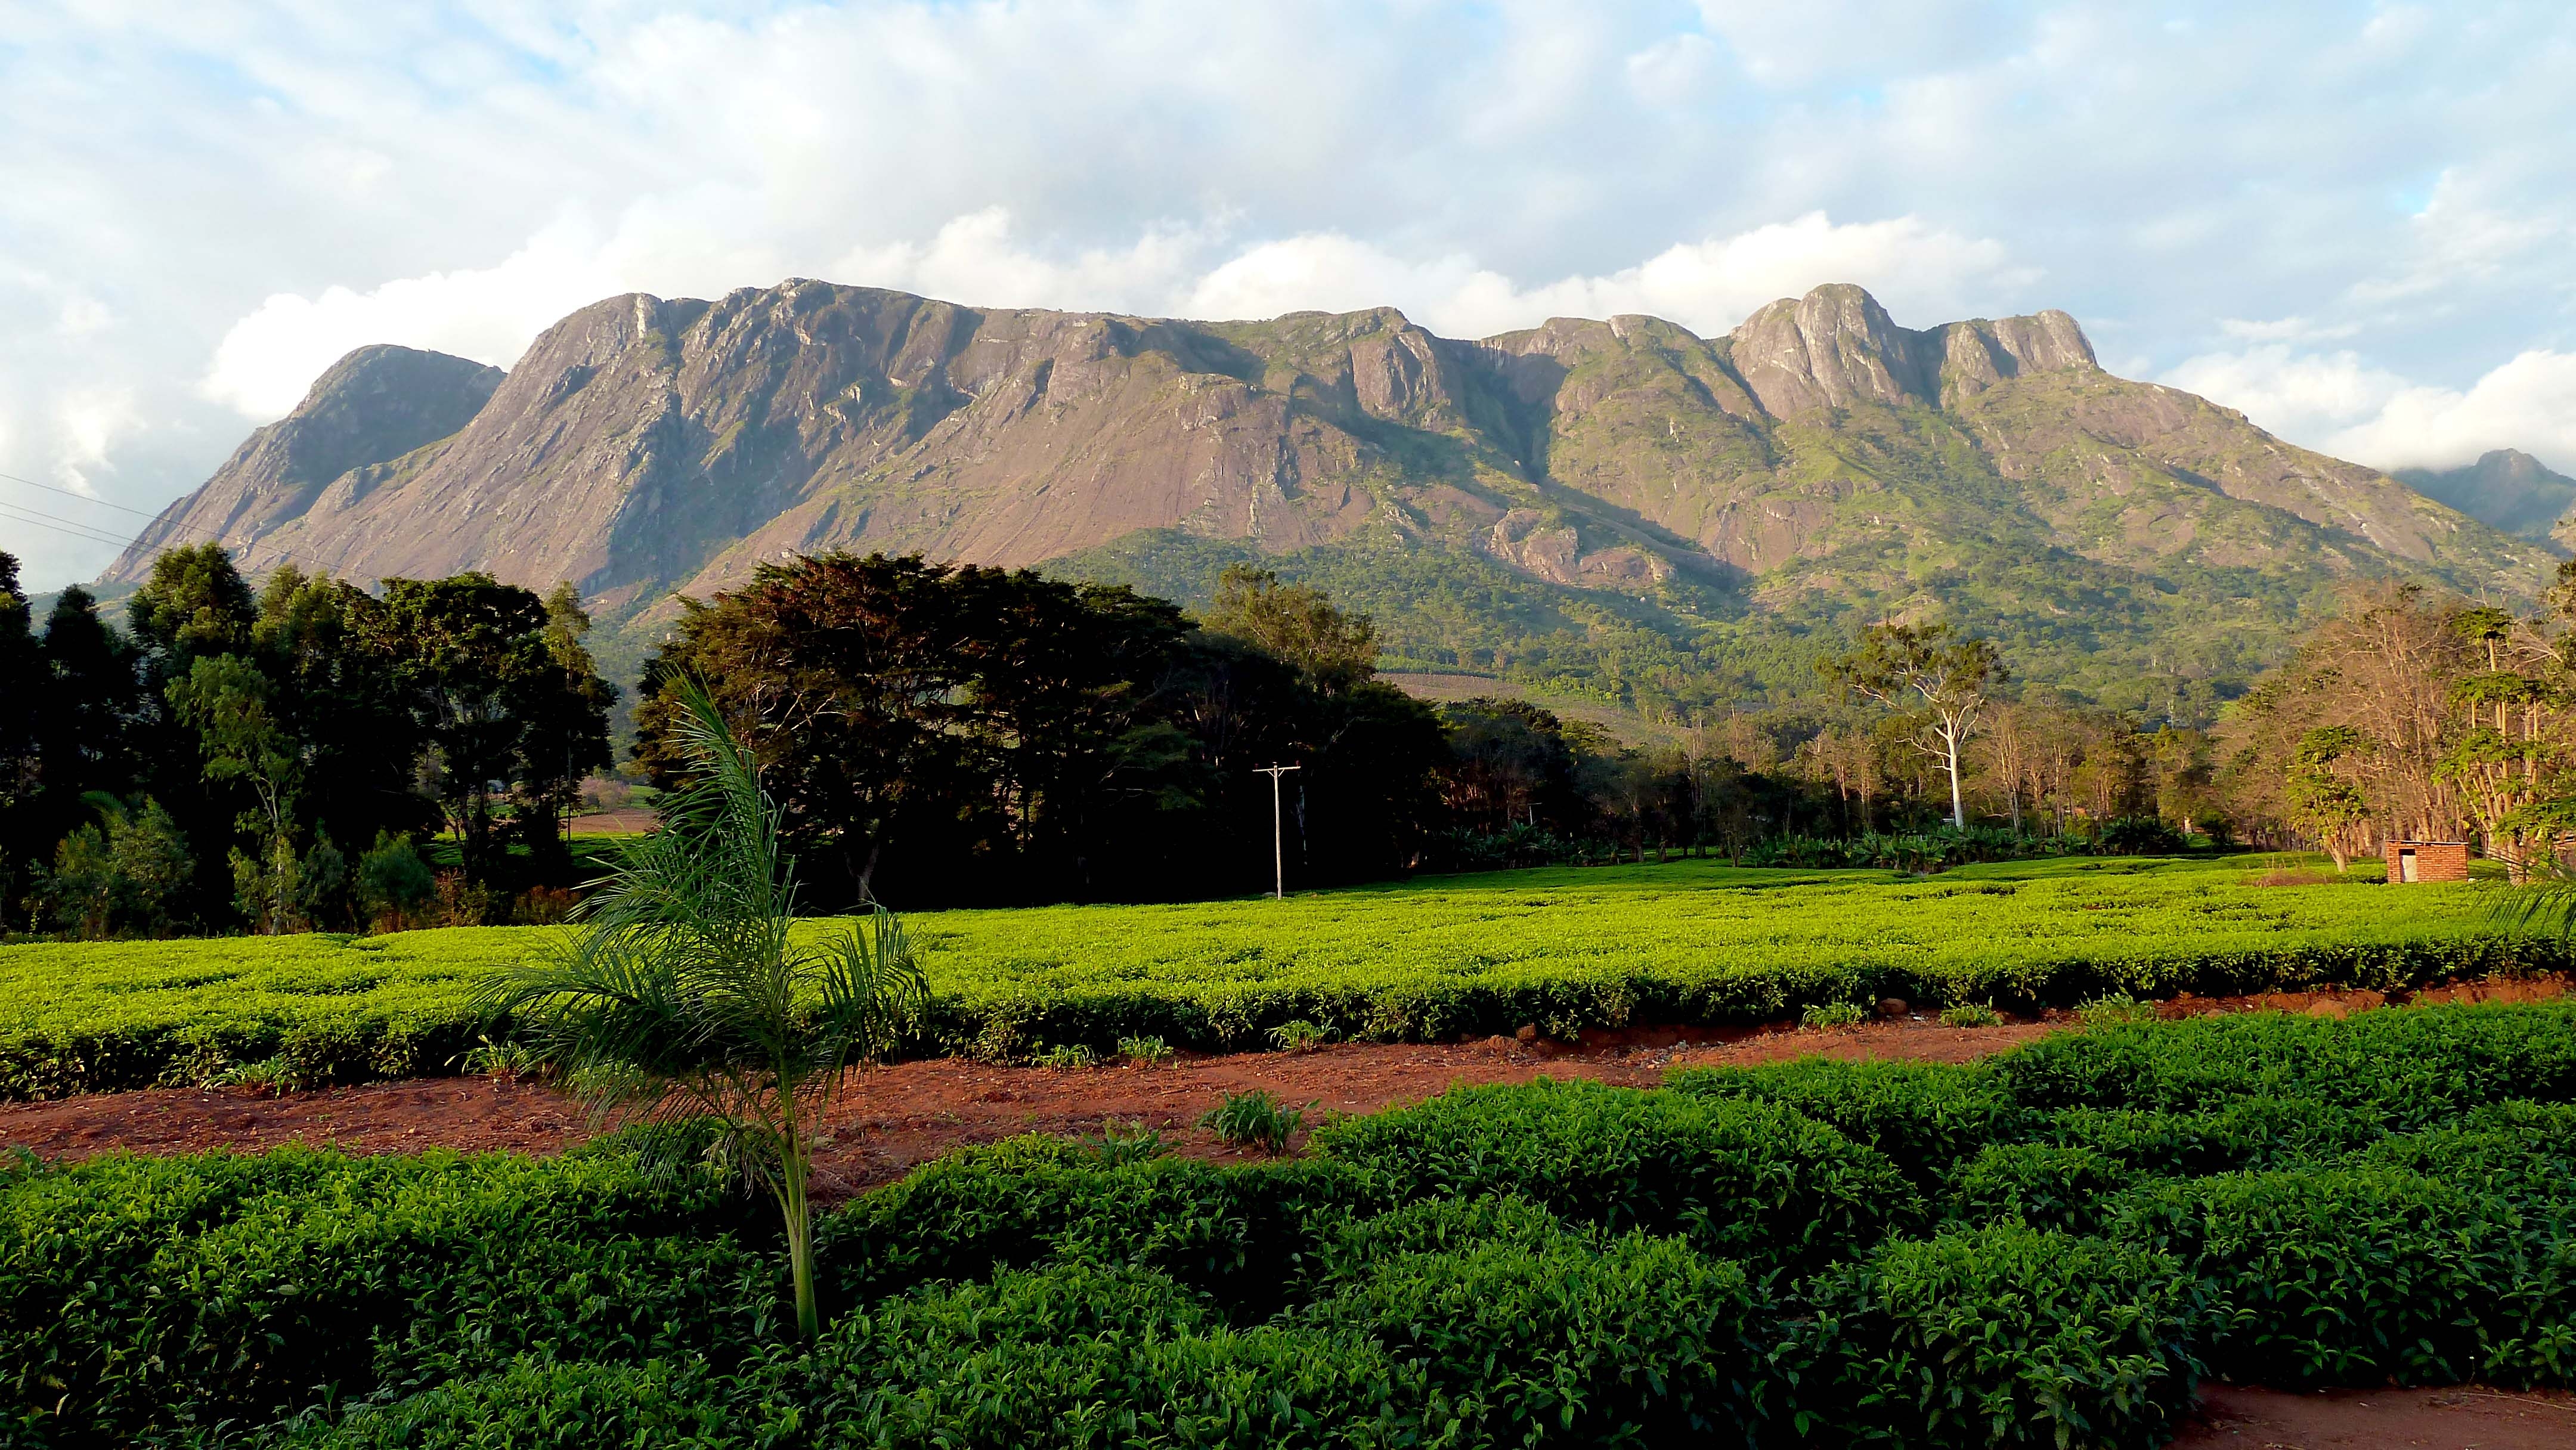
[[2469, 1417], [893, 1117]]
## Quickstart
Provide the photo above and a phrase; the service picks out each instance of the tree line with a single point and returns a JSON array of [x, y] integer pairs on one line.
[[305, 753], [278, 759]]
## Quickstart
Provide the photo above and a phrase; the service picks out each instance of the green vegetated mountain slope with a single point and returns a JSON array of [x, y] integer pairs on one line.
[[2508, 488], [1619, 507]]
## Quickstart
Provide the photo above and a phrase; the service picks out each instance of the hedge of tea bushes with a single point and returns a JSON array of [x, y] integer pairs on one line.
[[1563, 950], [2050, 1248]]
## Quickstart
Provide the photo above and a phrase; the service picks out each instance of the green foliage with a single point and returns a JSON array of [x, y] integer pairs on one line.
[[1739, 1259], [1834, 1014], [1562, 949], [1145, 1051], [1738, 1179], [2119, 1007], [1299, 1036], [1070, 1055], [685, 995], [1971, 1014], [394, 883], [1254, 1119], [2003, 1336], [129, 878]]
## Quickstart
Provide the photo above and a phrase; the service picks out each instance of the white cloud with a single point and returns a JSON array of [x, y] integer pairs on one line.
[[204, 204], [2529, 403], [2301, 396], [1709, 286], [2338, 404]]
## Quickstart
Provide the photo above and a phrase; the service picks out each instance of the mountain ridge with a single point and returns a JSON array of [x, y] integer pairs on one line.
[[1816, 461]]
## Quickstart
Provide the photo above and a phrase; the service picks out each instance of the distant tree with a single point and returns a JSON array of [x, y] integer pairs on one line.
[[130, 877], [500, 705], [2325, 799], [22, 680], [225, 699], [1934, 673], [1296, 623], [194, 603]]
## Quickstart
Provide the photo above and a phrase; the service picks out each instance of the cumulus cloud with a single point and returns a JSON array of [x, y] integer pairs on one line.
[[2339, 404], [2528, 403], [203, 208], [268, 358]]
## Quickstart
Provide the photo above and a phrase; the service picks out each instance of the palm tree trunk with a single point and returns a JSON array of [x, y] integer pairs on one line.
[[800, 1238]]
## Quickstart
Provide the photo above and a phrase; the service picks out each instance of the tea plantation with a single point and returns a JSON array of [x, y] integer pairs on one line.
[[2047, 1249], [1563, 949]]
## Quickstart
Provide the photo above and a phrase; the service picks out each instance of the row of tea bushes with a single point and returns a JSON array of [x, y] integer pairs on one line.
[[1563, 950], [2048, 1249]]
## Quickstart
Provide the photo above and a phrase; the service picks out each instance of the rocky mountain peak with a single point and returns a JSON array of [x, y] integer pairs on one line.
[[1837, 346], [372, 406]]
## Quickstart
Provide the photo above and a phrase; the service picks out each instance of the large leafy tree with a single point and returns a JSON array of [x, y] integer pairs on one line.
[[689, 996], [500, 706], [1935, 675], [957, 734]]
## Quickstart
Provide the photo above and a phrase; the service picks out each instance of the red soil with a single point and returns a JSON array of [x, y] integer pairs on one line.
[[894, 1117], [2233, 1417]]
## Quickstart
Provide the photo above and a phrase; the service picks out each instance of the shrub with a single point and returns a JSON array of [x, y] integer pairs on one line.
[[2040, 1184], [1927, 1119], [1738, 1179], [1834, 1014], [395, 885], [1067, 1056], [1971, 1014], [2352, 1276], [1538, 1334], [193, 1290], [2001, 1336], [1253, 1118]]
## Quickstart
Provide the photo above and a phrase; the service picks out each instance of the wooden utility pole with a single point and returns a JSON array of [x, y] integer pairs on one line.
[[1278, 852]]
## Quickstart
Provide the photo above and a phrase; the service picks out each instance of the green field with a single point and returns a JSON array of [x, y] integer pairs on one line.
[[1563, 949]]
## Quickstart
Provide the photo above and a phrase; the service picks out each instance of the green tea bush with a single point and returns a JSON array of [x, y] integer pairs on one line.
[[195, 1290], [2043, 1250], [1561, 950], [2038, 1184], [2000, 1336], [2355, 1276], [1928, 1119], [1737, 1179]]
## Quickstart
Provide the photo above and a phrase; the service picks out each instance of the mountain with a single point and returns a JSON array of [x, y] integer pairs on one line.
[[367, 410], [2508, 488], [1620, 506]]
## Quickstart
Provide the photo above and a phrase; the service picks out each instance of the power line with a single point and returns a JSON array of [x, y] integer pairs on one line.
[[57, 518], [84, 498], [58, 529]]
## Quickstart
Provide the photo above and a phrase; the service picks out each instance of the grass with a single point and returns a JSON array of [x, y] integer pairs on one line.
[[1561, 949]]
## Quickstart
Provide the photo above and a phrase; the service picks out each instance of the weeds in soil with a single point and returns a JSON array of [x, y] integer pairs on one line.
[[270, 1075], [1971, 1014], [1145, 1051], [1834, 1014], [1130, 1142], [503, 1059], [1298, 1036], [2115, 1010], [1254, 1119], [1070, 1055]]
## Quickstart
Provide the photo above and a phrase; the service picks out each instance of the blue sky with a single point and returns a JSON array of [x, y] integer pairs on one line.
[[2357, 222]]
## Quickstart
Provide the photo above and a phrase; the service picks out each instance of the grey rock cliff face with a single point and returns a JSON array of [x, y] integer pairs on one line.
[[375, 405], [644, 446]]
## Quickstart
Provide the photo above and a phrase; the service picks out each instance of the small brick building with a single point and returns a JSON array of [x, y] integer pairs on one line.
[[2428, 861]]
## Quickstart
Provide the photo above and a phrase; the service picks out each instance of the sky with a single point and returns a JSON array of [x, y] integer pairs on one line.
[[2355, 222]]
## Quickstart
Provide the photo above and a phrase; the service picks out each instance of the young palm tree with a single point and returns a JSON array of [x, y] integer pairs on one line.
[[683, 994]]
